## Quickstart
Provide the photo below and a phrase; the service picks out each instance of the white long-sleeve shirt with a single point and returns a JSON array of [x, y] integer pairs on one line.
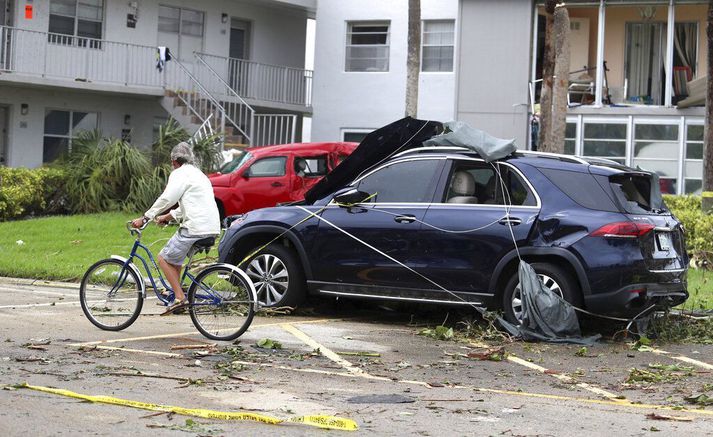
[[191, 189]]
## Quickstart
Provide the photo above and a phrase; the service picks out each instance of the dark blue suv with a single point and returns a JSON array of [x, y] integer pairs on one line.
[[596, 232]]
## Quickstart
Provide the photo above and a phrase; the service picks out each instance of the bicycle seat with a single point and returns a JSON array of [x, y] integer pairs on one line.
[[204, 243]]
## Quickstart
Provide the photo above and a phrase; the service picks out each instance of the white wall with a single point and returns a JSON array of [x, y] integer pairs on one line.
[[494, 66], [25, 135], [278, 33], [358, 100]]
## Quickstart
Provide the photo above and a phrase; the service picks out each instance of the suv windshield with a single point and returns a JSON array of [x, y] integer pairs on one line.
[[637, 194], [236, 163]]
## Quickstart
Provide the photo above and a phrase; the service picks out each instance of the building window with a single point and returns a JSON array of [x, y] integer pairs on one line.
[[437, 45], [570, 138], [367, 46], [354, 136], [656, 149], [181, 30], [61, 127], [76, 18], [605, 140], [693, 164]]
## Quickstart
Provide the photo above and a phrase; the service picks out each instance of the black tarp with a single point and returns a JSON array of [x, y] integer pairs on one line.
[[404, 134]]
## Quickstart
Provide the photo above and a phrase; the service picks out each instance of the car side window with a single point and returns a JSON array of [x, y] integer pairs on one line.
[[402, 182], [479, 183], [311, 166], [273, 166]]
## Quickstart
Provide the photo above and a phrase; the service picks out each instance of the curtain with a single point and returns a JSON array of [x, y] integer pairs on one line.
[[644, 60], [685, 39]]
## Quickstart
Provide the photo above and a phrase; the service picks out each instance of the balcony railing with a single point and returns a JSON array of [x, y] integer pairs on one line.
[[258, 81], [80, 59]]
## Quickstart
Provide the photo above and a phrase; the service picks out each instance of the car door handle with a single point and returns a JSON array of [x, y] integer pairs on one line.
[[276, 184], [512, 221], [405, 219]]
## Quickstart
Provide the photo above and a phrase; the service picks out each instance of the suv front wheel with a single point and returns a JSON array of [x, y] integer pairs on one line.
[[555, 278], [277, 275]]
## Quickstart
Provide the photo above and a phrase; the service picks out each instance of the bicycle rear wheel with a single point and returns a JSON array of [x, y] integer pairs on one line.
[[110, 294], [222, 302]]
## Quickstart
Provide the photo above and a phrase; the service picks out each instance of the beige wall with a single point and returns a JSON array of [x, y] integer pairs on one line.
[[615, 29]]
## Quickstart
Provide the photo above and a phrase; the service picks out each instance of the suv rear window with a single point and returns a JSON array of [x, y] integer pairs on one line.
[[637, 193], [582, 187]]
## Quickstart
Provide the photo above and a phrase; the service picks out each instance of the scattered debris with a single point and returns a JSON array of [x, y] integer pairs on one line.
[[268, 343], [439, 333], [582, 352], [360, 354], [655, 416], [381, 399], [490, 354], [190, 426], [210, 346], [671, 367], [700, 399]]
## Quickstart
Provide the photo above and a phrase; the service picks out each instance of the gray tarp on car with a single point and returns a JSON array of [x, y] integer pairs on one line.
[[545, 315], [460, 134]]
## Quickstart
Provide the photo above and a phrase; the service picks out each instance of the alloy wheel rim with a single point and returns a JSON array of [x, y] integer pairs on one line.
[[270, 277], [516, 302]]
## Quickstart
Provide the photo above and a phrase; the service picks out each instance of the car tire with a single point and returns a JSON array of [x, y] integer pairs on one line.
[[278, 276], [554, 277]]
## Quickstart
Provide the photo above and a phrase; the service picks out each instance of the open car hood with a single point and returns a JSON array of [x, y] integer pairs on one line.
[[404, 134]]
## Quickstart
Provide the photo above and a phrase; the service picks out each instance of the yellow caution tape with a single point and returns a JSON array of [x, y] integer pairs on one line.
[[320, 421], [707, 194]]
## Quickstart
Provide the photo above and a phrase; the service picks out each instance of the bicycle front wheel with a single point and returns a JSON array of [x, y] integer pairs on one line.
[[222, 302], [110, 294]]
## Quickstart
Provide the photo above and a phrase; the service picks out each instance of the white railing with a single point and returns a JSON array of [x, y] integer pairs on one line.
[[258, 81], [241, 114], [274, 129], [79, 59]]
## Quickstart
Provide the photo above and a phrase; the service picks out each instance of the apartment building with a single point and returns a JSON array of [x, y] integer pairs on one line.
[[73, 65], [360, 65], [634, 65]]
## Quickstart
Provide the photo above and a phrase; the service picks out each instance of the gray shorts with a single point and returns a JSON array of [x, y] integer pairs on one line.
[[177, 248]]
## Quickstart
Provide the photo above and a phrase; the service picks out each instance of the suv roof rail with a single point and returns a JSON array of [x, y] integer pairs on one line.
[[563, 157], [434, 148]]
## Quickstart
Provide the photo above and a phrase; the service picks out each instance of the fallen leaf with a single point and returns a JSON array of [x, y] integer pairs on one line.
[[654, 416]]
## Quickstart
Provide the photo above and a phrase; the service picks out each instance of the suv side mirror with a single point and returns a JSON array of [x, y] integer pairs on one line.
[[351, 197]]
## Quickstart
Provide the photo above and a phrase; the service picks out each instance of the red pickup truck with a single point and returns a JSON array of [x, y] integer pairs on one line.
[[265, 176]]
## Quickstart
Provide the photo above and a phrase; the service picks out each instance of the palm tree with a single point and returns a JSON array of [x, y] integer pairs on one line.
[[548, 70], [708, 144], [558, 122], [413, 59]]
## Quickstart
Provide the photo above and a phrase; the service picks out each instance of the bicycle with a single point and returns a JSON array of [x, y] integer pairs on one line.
[[221, 298]]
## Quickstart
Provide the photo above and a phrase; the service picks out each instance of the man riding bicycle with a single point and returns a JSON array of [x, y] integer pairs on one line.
[[197, 215]]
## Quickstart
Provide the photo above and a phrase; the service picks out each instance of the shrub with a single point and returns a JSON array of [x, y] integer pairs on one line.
[[25, 192], [698, 226]]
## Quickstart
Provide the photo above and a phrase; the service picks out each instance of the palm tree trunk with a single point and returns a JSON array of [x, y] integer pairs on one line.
[[548, 70], [708, 143], [561, 82], [413, 60]]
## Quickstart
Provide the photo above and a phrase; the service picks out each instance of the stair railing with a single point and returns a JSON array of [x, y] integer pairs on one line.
[[241, 114], [193, 94]]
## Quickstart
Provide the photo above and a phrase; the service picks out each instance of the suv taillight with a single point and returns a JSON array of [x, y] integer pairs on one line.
[[623, 230]]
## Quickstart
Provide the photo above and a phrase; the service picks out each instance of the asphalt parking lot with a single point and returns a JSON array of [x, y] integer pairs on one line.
[[371, 367]]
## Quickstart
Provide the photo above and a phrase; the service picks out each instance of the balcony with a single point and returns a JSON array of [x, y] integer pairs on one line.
[[258, 83], [48, 59]]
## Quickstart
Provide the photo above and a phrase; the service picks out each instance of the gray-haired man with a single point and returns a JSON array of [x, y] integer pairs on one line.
[[197, 214]]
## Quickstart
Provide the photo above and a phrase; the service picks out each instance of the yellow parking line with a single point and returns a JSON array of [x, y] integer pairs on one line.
[[615, 403], [683, 358], [563, 378], [309, 341], [182, 334]]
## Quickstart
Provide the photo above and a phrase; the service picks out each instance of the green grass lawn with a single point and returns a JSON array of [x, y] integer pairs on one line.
[[63, 247]]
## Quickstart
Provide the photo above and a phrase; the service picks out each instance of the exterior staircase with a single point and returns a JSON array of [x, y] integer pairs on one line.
[[202, 98]]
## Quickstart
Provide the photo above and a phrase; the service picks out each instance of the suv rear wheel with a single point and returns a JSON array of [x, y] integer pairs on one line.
[[555, 278], [278, 277]]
